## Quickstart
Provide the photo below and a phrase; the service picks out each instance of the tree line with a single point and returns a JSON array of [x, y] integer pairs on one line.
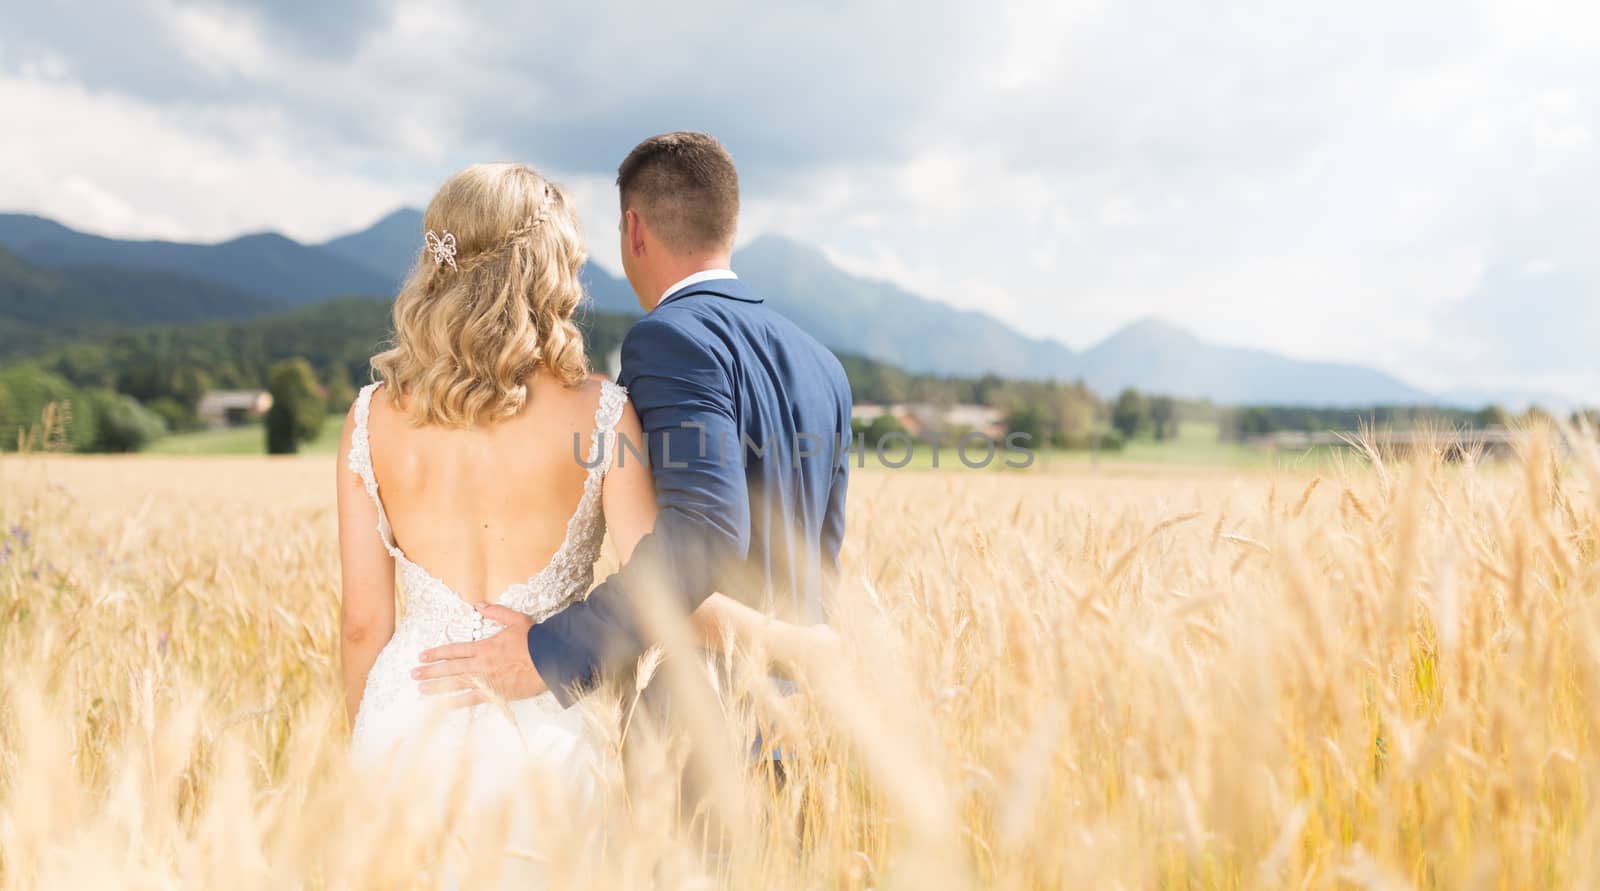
[[1244, 422], [122, 390], [1062, 414]]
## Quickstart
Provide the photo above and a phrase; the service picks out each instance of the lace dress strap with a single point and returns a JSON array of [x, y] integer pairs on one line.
[[360, 461], [603, 445]]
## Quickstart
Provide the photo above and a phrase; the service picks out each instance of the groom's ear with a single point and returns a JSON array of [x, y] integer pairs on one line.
[[633, 225]]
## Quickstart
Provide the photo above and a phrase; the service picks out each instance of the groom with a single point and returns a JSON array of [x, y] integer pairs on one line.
[[744, 415]]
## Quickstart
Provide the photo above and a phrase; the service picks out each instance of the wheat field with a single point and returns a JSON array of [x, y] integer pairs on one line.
[[1384, 674]]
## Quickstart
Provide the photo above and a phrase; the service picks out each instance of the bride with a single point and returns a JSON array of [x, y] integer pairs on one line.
[[461, 474]]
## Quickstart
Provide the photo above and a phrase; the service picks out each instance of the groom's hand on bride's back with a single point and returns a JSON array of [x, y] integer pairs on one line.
[[500, 662]]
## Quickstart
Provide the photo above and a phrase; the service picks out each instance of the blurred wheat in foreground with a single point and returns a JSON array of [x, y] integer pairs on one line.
[[1386, 676]]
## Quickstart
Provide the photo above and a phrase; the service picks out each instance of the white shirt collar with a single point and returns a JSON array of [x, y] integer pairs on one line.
[[704, 275]]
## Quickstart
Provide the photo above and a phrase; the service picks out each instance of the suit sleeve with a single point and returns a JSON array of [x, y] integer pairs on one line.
[[684, 398]]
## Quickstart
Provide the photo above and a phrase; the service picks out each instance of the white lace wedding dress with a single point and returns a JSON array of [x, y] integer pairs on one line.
[[396, 721]]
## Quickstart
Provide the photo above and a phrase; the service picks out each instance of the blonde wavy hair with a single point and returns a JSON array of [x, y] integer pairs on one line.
[[468, 334]]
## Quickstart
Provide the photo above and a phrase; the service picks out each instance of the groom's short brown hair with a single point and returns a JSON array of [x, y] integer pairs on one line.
[[685, 187]]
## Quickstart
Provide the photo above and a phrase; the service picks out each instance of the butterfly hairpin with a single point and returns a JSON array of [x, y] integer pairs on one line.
[[443, 249]]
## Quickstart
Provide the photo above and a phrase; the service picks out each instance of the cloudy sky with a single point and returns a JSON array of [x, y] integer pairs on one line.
[[1415, 186]]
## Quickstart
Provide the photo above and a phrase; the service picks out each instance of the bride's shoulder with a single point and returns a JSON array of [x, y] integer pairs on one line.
[[378, 400], [578, 400], [362, 406], [599, 398]]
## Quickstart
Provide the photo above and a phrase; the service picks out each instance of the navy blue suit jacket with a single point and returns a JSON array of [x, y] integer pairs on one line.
[[747, 420]]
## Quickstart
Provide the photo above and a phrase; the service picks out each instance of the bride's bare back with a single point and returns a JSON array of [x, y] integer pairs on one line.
[[485, 508]]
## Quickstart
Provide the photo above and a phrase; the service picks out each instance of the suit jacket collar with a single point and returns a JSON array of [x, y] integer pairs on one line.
[[729, 288]]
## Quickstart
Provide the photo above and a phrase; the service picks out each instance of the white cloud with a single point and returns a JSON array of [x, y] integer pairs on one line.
[[224, 42], [1356, 180], [98, 210], [116, 166]]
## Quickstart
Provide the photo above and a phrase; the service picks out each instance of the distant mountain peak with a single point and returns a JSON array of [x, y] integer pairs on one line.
[[388, 247], [880, 320], [405, 215], [266, 264], [406, 221], [774, 245], [1154, 330], [261, 239], [1157, 356]]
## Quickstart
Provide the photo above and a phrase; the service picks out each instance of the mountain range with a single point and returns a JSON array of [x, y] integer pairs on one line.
[[56, 280]]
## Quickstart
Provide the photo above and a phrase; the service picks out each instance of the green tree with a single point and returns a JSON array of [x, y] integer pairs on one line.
[[1109, 441], [1491, 416], [173, 413], [1072, 410], [297, 409], [876, 429], [27, 392], [1029, 420], [341, 393], [1164, 417], [121, 424], [189, 383], [988, 389], [1130, 414], [1256, 421], [937, 392]]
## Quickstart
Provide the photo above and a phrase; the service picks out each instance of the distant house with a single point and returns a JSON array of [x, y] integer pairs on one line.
[[926, 419], [867, 412], [232, 408], [984, 419]]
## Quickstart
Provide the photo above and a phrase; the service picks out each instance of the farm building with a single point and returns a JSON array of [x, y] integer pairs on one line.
[[921, 419], [232, 408]]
